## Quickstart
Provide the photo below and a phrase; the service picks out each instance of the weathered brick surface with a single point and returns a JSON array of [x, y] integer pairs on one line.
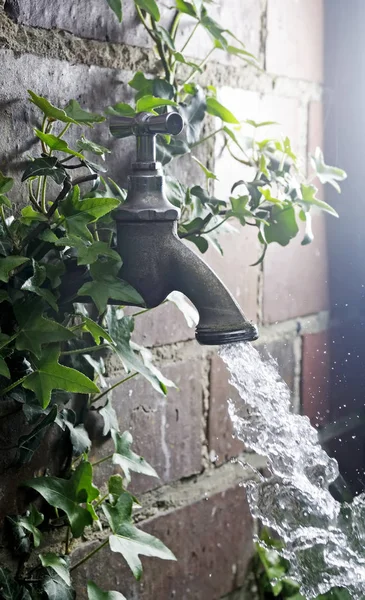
[[222, 444], [316, 361], [163, 325], [212, 541], [295, 39], [296, 277], [166, 429]]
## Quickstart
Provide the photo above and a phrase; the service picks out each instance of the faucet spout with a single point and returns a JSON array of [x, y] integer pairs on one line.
[[156, 262]]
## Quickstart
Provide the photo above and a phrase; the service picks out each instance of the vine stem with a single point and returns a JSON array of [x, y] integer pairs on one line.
[[66, 127], [215, 226], [199, 67], [190, 36], [67, 540], [105, 392], [101, 460], [12, 386], [2, 213], [85, 350], [205, 139], [90, 555], [145, 310]]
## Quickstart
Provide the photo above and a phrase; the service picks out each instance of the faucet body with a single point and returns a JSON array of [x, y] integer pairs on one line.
[[155, 260]]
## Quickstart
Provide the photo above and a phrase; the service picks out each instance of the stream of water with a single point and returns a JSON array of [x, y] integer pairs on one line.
[[324, 539]]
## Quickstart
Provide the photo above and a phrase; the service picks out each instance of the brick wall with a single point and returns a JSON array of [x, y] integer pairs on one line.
[[76, 49]]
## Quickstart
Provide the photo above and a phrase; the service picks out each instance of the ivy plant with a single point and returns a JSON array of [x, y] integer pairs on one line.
[[62, 300]]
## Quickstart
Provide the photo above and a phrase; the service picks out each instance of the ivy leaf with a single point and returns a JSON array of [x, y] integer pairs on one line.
[[35, 281], [166, 151], [116, 6], [55, 588], [187, 8], [110, 417], [36, 330], [256, 124], [93, 207], [149, 6], [28, 443], [30, 522], [130, 541], [121, 109], [51, 375], [121, 331], [208, 174], [188, 310], [79, 437], [8, 264], [193, 115], [68, 494], [50, 111], [4, 201], [47, 167], [30, 216], [55, 143], [88, 252], [81, 116], [95, 593], [127, 459], [115, 487], [325, 173], [309, 197], [283, 226], [217, 109], [149, 103], [6, 183], [4, 369], [96, 331], [89, 146], [10, 589], [58, 564]]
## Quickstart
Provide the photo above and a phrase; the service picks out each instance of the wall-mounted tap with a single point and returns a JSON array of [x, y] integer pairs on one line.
[[155, 260]]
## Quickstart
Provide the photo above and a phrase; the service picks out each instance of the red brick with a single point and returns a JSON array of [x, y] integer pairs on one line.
[[163, 325], [296, 276], [167, 431], [294, 46], [212, 541], [222, 444], [315, 377]]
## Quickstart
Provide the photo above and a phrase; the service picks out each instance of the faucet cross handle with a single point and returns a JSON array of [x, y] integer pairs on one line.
[[145, 127]]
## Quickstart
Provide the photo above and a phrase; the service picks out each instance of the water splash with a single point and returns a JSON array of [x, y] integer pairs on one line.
[[324, 539]]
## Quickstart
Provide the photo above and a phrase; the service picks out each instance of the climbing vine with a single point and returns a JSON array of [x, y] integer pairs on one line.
[[62, 300]]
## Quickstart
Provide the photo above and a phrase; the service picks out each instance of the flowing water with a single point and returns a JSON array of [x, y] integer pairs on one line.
[[324, 539]]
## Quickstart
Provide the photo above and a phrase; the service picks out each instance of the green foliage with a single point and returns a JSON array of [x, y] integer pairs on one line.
[[95, 593], [127, 459]]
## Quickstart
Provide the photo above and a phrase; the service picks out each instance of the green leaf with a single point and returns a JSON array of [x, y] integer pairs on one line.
[[36, 330], [47, 167], [95, 593], [309, 197], [94, 207], [288, 149], [55, 143], [149, 103], [88, 146], [121, 110], [55, 588], [283, 226], [30, 216], [127, 459], [166, 151], [51, 375], [10, 589], [58, 564], [241, 53], [208, 174], [121, 331], [30, 442], [255, 124], [8, 264], [50, 111], [35, 281], [30, 522], [214, 29], [4, 201], [4, 369], [79, 437], [188, 310], [6, 183], [110, 418], [115, 487], [240, 210], [193, 115], [81, 116], [88, 252], [117, 8], [217, 109], [187, 8], [106, 284], [325, 173], [68, 494], [149, 6], [96, 331], [130, 541]]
